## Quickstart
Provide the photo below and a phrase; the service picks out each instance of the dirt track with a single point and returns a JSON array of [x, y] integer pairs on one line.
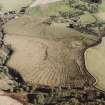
[[6, 100], [42, 2]]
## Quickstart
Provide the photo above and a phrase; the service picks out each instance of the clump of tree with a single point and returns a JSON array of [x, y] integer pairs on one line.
[[89, 24], [71, 13], [92, 8], [77, 8], [95, 27]]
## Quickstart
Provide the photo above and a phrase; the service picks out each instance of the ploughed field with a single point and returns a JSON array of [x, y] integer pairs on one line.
[[48, 54]]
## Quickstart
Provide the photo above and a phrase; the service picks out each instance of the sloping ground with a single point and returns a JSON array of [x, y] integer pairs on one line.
[[48, 54]]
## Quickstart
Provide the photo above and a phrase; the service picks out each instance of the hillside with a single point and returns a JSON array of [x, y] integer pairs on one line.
[[46, 52]]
